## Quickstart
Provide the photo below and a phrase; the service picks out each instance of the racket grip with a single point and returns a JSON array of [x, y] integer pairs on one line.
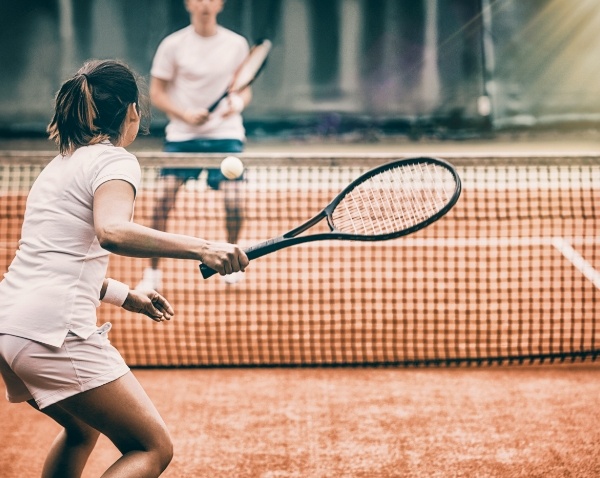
[[213, 107], [253, 252], [206, 271]]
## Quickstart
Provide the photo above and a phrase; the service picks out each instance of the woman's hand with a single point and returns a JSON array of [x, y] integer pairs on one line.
[[225, 258], [149, 303]]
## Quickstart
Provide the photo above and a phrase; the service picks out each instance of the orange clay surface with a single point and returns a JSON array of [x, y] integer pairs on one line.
[[509, 421], [518, 421]]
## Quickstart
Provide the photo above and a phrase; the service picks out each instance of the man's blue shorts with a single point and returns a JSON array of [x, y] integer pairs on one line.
[[215, 176]]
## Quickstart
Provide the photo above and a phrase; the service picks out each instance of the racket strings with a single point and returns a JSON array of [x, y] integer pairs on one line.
[[395, 199]]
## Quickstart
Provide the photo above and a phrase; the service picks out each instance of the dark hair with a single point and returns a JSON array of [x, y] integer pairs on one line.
[[91, 106]]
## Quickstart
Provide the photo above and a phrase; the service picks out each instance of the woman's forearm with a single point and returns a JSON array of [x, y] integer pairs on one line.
[[134, 240]]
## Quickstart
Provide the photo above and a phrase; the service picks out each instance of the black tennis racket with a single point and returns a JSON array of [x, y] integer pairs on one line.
[[248, 71], [389, 201]]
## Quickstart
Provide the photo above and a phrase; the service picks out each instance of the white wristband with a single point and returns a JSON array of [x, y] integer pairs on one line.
[[236, 103], [116, 292]]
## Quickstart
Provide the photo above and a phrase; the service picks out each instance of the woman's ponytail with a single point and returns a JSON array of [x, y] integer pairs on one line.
[[73, 122], [91, 106]]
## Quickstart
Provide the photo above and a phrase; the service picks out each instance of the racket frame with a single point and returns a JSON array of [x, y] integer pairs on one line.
[[292, 237], [228, 91]]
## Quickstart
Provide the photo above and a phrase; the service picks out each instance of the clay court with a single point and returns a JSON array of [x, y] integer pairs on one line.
[[463, 350]]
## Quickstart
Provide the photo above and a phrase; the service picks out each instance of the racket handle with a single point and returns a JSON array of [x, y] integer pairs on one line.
[[253, 252], [213, 107], [206, 271]]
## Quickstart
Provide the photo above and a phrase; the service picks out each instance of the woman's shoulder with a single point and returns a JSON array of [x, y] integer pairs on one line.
[[117, 152], [115, 162], [104, 151]]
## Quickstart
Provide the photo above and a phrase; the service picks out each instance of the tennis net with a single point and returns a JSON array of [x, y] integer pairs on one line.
[[510, 275]]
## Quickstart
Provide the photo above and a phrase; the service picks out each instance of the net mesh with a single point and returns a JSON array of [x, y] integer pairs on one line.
[[509, 275]]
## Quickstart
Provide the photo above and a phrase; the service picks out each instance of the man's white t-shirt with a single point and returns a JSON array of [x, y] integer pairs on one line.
[[198, 71], [53, 284]]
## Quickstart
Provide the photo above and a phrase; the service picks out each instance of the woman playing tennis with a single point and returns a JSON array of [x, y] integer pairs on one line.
[[52, 354]]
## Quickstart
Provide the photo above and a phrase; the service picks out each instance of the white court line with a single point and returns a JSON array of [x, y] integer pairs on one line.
[[577, 260]]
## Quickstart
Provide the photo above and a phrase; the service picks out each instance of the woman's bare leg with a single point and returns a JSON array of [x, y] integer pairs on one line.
[[71, 448], [123, 412]]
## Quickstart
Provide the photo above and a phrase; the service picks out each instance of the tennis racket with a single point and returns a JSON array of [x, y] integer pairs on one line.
[[389, 201], [248, 71]]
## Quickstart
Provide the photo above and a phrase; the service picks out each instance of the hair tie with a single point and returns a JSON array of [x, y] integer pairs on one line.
[[87, 78]]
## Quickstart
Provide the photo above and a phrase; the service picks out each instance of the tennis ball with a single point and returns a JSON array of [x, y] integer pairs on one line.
[[232, 167]]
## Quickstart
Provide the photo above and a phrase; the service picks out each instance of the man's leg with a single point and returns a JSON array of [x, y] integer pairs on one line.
[[234, 211], [165, 199]]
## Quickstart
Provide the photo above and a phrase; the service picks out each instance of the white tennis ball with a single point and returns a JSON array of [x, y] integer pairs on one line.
[[232, 167]]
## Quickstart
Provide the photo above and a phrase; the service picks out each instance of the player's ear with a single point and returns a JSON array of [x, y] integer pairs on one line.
[[133, 112]]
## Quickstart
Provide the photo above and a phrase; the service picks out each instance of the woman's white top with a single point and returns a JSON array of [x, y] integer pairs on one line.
[[53, 284]]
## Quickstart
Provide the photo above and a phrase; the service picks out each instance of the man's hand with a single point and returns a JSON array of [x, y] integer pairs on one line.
[[149, 303], [195, 117], [231, 104]]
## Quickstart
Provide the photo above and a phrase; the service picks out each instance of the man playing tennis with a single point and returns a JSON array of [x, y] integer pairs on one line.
[[191, 69]]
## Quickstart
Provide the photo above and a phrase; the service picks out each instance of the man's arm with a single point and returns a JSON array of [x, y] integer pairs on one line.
[[236, 102], [160, 99]]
